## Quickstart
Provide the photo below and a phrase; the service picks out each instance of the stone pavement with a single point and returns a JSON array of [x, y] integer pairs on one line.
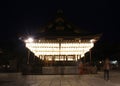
[[59, 80]]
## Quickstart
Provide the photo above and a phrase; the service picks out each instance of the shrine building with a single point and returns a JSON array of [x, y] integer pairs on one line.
[[59, 40]]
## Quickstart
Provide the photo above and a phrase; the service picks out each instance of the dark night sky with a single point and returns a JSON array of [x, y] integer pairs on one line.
[[25, 16]]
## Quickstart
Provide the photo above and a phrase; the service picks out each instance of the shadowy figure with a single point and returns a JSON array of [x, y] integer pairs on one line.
[[106, 69], [81, 68]]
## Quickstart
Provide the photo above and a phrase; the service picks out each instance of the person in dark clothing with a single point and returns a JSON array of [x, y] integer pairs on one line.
[[106, 69]]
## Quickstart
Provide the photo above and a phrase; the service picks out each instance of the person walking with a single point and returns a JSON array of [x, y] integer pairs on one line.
[[106, 69]]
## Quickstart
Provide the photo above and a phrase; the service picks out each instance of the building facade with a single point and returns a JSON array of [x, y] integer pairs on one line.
[[61, 41]]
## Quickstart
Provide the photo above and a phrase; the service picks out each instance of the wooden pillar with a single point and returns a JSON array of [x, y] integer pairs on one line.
[[84, 59], [74, 57], [90, 57], [80, 57], [39, 57], [53, 60], [28, 57], [77, 57], [44, 57]]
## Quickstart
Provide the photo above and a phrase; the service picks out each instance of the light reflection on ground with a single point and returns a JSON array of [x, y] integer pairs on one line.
[[59, 80]]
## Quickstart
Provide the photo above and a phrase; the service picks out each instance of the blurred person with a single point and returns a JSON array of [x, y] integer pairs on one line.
[[81, 72], [106, 69]]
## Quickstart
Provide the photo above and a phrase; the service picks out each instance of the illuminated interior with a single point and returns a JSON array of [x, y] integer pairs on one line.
[[73, 49]]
